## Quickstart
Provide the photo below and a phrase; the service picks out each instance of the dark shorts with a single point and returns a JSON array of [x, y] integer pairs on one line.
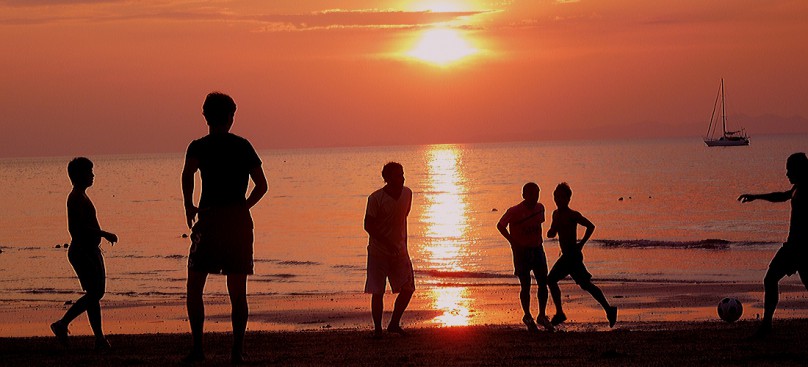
[[572, 265], [790, 259], [381, 267], [88, 263], [527, 259], [222, 241]]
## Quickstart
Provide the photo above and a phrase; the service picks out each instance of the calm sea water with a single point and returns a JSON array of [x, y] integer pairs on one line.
[[309, 239]]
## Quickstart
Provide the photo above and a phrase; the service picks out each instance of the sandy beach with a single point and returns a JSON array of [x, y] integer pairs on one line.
[[639, 302], [633, 344], [660, 324]]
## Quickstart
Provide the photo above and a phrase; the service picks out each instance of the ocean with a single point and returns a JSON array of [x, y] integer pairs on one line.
[[665, 211]]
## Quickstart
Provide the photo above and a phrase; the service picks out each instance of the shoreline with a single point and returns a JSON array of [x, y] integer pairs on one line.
[[433, 306], [634, 344]]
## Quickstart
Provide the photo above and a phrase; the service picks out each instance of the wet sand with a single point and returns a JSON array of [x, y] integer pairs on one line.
[[633, 344], [436, 306]]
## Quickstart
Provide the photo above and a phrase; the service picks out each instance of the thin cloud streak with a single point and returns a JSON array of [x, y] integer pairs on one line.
[[326, 19]]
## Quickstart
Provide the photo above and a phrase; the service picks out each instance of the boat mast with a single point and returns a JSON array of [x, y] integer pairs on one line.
[[723, 109]]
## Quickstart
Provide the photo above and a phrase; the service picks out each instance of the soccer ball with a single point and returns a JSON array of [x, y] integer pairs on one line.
[[730, 309]]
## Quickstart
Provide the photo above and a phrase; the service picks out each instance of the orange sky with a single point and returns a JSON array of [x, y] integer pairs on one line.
[[84, 77]]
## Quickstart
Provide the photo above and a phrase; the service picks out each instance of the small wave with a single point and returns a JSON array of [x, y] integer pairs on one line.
[[149, 294], [461, 274], [342, 266], [266, 261], [295, 262], [708, 244], [45, 291], [170, 257]]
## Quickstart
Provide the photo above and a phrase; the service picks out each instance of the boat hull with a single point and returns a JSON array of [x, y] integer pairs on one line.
[[726, 143]]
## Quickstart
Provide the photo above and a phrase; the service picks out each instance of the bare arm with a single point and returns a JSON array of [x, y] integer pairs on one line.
[[503, 228], [261, 186], [590, 228], [774, 197], [553, 231], [188, 172]]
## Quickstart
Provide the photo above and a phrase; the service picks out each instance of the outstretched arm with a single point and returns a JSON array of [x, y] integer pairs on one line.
[[774, 197], [188, 172], [261, 186]]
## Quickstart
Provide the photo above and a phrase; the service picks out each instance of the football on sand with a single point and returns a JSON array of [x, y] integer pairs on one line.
[[730, 309]]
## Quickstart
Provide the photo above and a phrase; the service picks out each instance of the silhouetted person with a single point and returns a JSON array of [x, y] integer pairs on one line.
[[222, 238], [521, 226], [84, 254], [388, 258], [565, 224], [793, 256]]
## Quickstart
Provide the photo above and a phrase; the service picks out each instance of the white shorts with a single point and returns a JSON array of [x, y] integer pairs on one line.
[[396, 268]]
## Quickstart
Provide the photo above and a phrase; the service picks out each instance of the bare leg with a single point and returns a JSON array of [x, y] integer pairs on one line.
[[237, 289], [611, 312], [402, 301], [196, 311], [376, 309], [596, 293], [771, 294], [94, 314], [524, 294], [555, 290], [541, 281]]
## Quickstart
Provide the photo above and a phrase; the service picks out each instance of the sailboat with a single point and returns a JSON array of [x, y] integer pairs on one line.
[[729, 138]]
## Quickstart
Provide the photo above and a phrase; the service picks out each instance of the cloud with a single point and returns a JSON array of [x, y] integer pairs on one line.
[[120, 10], [337, 18], [35, 3]]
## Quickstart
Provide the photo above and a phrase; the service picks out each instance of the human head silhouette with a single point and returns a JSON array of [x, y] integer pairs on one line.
[[393, 174], [797, 168], [562, 195], [80, 171], [219, 109], [530, 192]]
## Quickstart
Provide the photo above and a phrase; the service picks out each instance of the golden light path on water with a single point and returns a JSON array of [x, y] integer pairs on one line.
[[446, 231]]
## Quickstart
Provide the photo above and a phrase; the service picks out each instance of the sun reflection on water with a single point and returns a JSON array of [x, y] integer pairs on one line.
[[446, 230]]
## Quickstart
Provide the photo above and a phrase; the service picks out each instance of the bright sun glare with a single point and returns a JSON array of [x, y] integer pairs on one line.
[[441, 46]]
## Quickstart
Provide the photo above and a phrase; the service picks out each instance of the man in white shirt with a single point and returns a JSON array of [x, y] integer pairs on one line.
[[388, 258]]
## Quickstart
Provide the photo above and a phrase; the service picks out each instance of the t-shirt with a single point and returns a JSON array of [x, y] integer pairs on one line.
[[524, 224], [798, 228], [82, 222], [391, 219], [225, 162]]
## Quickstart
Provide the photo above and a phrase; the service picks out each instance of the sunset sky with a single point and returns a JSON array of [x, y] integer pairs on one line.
[[84, 77]]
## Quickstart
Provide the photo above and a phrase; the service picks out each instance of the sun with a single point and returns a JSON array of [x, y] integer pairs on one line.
[[441, 46]]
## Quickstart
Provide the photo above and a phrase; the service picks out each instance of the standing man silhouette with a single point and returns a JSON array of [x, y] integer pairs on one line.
[[793, 256], [521, 226], [388, 258], [222, 238]]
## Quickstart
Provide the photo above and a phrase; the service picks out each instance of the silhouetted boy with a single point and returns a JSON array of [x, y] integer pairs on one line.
[[521, 226], [793, 256], [388, 257], [222, 239], [565, 224], [84, 253]]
